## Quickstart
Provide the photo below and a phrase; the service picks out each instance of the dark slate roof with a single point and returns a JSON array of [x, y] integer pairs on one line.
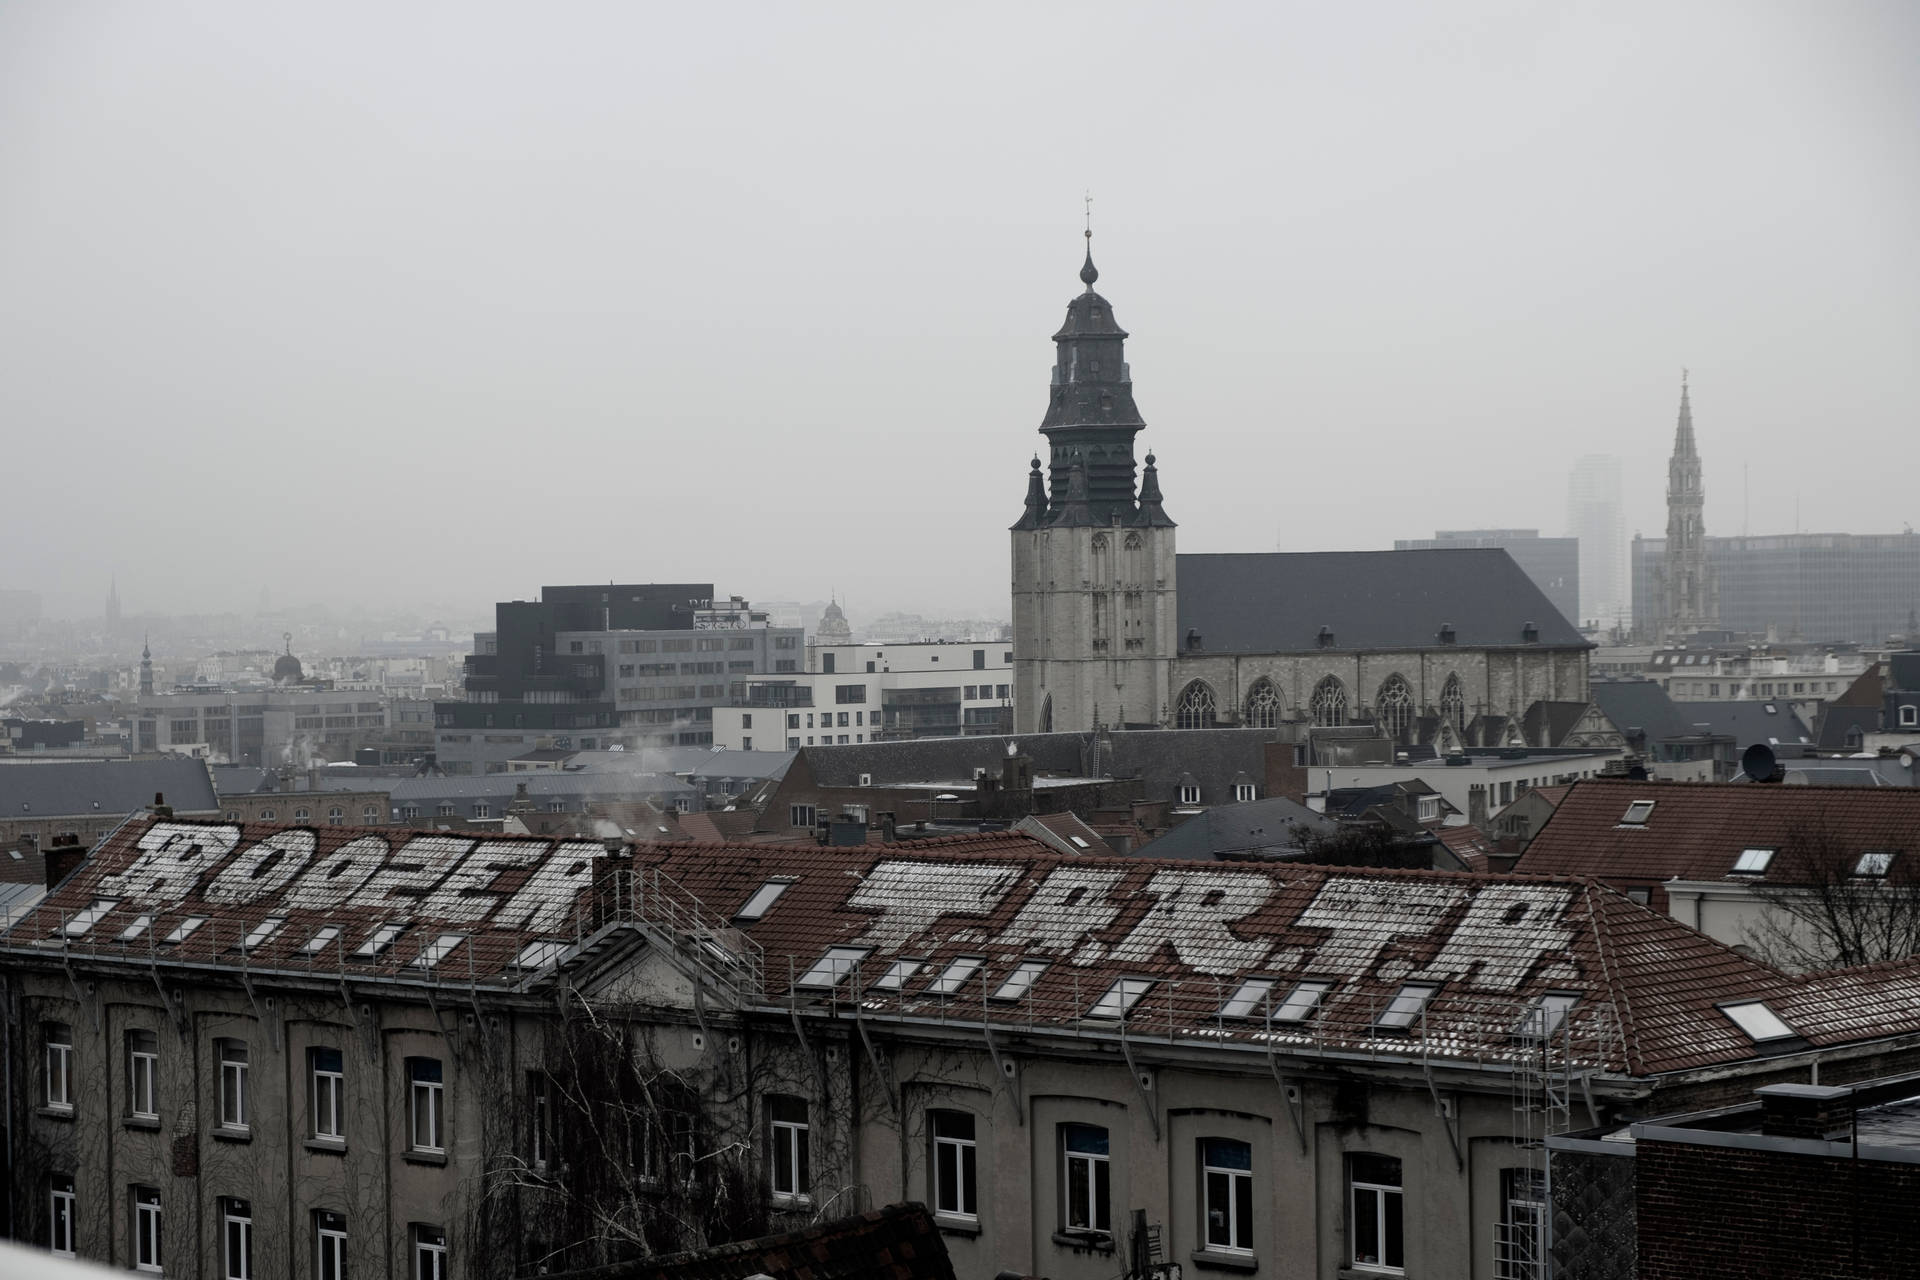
[[743, 764], [1259, 828], [1641, 706], [83, 787], [239, 779], [899, 1242], [1547, 724], [1774, 723], [1837, 722], [1277, 602]]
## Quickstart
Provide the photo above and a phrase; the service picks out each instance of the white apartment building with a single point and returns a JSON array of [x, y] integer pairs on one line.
[[868, 692]]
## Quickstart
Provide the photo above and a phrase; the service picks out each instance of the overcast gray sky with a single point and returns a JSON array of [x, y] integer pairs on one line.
[[368, 301]]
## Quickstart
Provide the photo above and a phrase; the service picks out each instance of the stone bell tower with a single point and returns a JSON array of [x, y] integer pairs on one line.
[[1093, 566]]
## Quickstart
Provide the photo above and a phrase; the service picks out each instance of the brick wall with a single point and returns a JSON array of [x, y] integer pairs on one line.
[[1773, 1215]]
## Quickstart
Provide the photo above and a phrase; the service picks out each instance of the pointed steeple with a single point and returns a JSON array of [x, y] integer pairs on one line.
[[1151, 512], [146, 668], [1683, 446], [1091, 418], [1035, 515]]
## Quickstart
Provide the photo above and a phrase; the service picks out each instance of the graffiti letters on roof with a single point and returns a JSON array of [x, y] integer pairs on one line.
[[1508, 929], [1192, 915], [1064, 912], [913, 896], [1364, 914]]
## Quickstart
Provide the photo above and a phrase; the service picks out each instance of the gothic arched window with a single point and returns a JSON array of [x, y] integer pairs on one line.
[[1393, 707], [1046, 715], [1196, 707], [1329, 703], [1135, 565], [1263, 705], [1453, 703], [1102, 561]]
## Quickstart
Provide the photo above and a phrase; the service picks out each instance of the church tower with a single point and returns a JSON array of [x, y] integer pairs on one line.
[[1689, 594], [146, 669], [1093, 566]]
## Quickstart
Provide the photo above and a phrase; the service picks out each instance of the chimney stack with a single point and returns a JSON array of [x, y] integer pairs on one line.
[[64, 856], [1817, 1113]]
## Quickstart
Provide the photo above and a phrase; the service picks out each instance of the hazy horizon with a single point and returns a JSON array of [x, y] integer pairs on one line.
[[368, 304]]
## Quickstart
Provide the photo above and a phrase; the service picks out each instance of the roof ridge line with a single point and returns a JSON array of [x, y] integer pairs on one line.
[[1629, 1030]]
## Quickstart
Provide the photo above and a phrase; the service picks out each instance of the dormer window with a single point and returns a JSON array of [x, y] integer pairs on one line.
[[1406, 1007], [1120, 998], [1752, 862], [1873, 866], [1909, 715], [1447, 634], [1529, 634], [1637, 813], [1759, 1022]]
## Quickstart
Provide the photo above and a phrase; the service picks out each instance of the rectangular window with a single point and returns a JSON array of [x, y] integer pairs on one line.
[[1226, 1170], [800, 815], [1021, 980], [746, 720], [836, 964], [539, 1118], [1752, 862], [1088, 1182], [429, 1252], [841, 721], [234, 1103], [60, 1215], [236, 1248], [1373, 1206], [788, 1156], [329, 1092], [329, 1245], [955, 1165], [426, 1095], [1119, 999], [57, 1037], [1406, 1007], [1519, 1247], [849, 693], [955, 975], [1243, 793], [146, 1229], [143, 1075]]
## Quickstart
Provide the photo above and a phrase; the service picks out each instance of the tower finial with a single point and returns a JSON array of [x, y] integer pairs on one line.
[[1089, 273]]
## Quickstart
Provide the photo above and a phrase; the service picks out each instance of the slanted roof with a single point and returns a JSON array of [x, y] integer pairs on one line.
[[88, 788], [1773, 722], [1641, 706], [1267, 828], [743, 764], [1844, 728], [1063, 831], [1277, 602], [1547, 724]]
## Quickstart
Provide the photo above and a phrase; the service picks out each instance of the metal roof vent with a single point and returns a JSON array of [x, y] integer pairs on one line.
[[1326, 637], [1447, 635], [1193, 638], [1529, 634]]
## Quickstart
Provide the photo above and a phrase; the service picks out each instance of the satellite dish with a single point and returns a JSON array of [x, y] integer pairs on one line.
[[1757, 762], [1906, 759]]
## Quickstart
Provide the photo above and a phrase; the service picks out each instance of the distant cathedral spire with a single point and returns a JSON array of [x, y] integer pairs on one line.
[[146, 668], [1689, 598]]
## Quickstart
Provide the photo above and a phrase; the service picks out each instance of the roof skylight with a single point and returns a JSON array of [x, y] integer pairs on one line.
[[184, 930], [1021, 980], [833, 966], [763, 898], [1120, 998], [1873, 864], [1248, 999], [1759, 1022], [955, 975], [86, 919], [262, 931], [896, 975], [437, 950], [1302, 1002], [318, 942], [137, 929], [1637, 814], [1752, 862], [1543, 1020], [539, 955], [379, 940], [1405, 1008]]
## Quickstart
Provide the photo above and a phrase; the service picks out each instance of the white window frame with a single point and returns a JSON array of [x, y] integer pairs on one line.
[[426, 1102], [1095, 1168], [143, 1075], [764, 897], [1248, 998], [1019, 983], [235, 1085], [1189, 793], [1120, 998], [956, 1165], [236, 1239], [1760, 1023], [1637, 813], [1383, 1195], [1873, 865], [956, 975], [1228, 1181], [831, 969], [327, 1090], [149, 1253], [1407, 1008], [897, 975], [1302, 1002], [1520, 1247], [1543, 1019], [57, 1038], [429, 1252], [1752, 862], [789, 1156], [61, 1206], [329, 1245], [1243, 792]]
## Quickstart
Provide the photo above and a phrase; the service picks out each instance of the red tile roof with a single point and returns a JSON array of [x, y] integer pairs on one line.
[[1191, 936]]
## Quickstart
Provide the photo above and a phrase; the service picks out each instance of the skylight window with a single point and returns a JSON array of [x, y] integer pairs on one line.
[[1873, 865], [539, 955], [763, 899], [319, 941], [955, 975], [1302, 1002], [437, 950], [1248, 999], [1752, 862], [262, 931], [1759, 1022], [1021, 980], [1120, 998], [184, 930], [137, 929], [896, 975], [1637, 814], [1079, 843], [1406, 1007], [1543, 1020], [85, 920], [378, 941], [833, 966]]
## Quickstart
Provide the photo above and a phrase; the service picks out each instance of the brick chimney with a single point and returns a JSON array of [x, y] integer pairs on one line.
[[1818, 1113], [63, 858]]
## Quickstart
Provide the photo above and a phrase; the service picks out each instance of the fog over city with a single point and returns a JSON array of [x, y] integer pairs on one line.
[[368, 304]]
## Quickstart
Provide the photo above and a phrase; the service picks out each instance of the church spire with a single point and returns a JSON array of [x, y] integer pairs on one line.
[[146, 668], [1683, 446]]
